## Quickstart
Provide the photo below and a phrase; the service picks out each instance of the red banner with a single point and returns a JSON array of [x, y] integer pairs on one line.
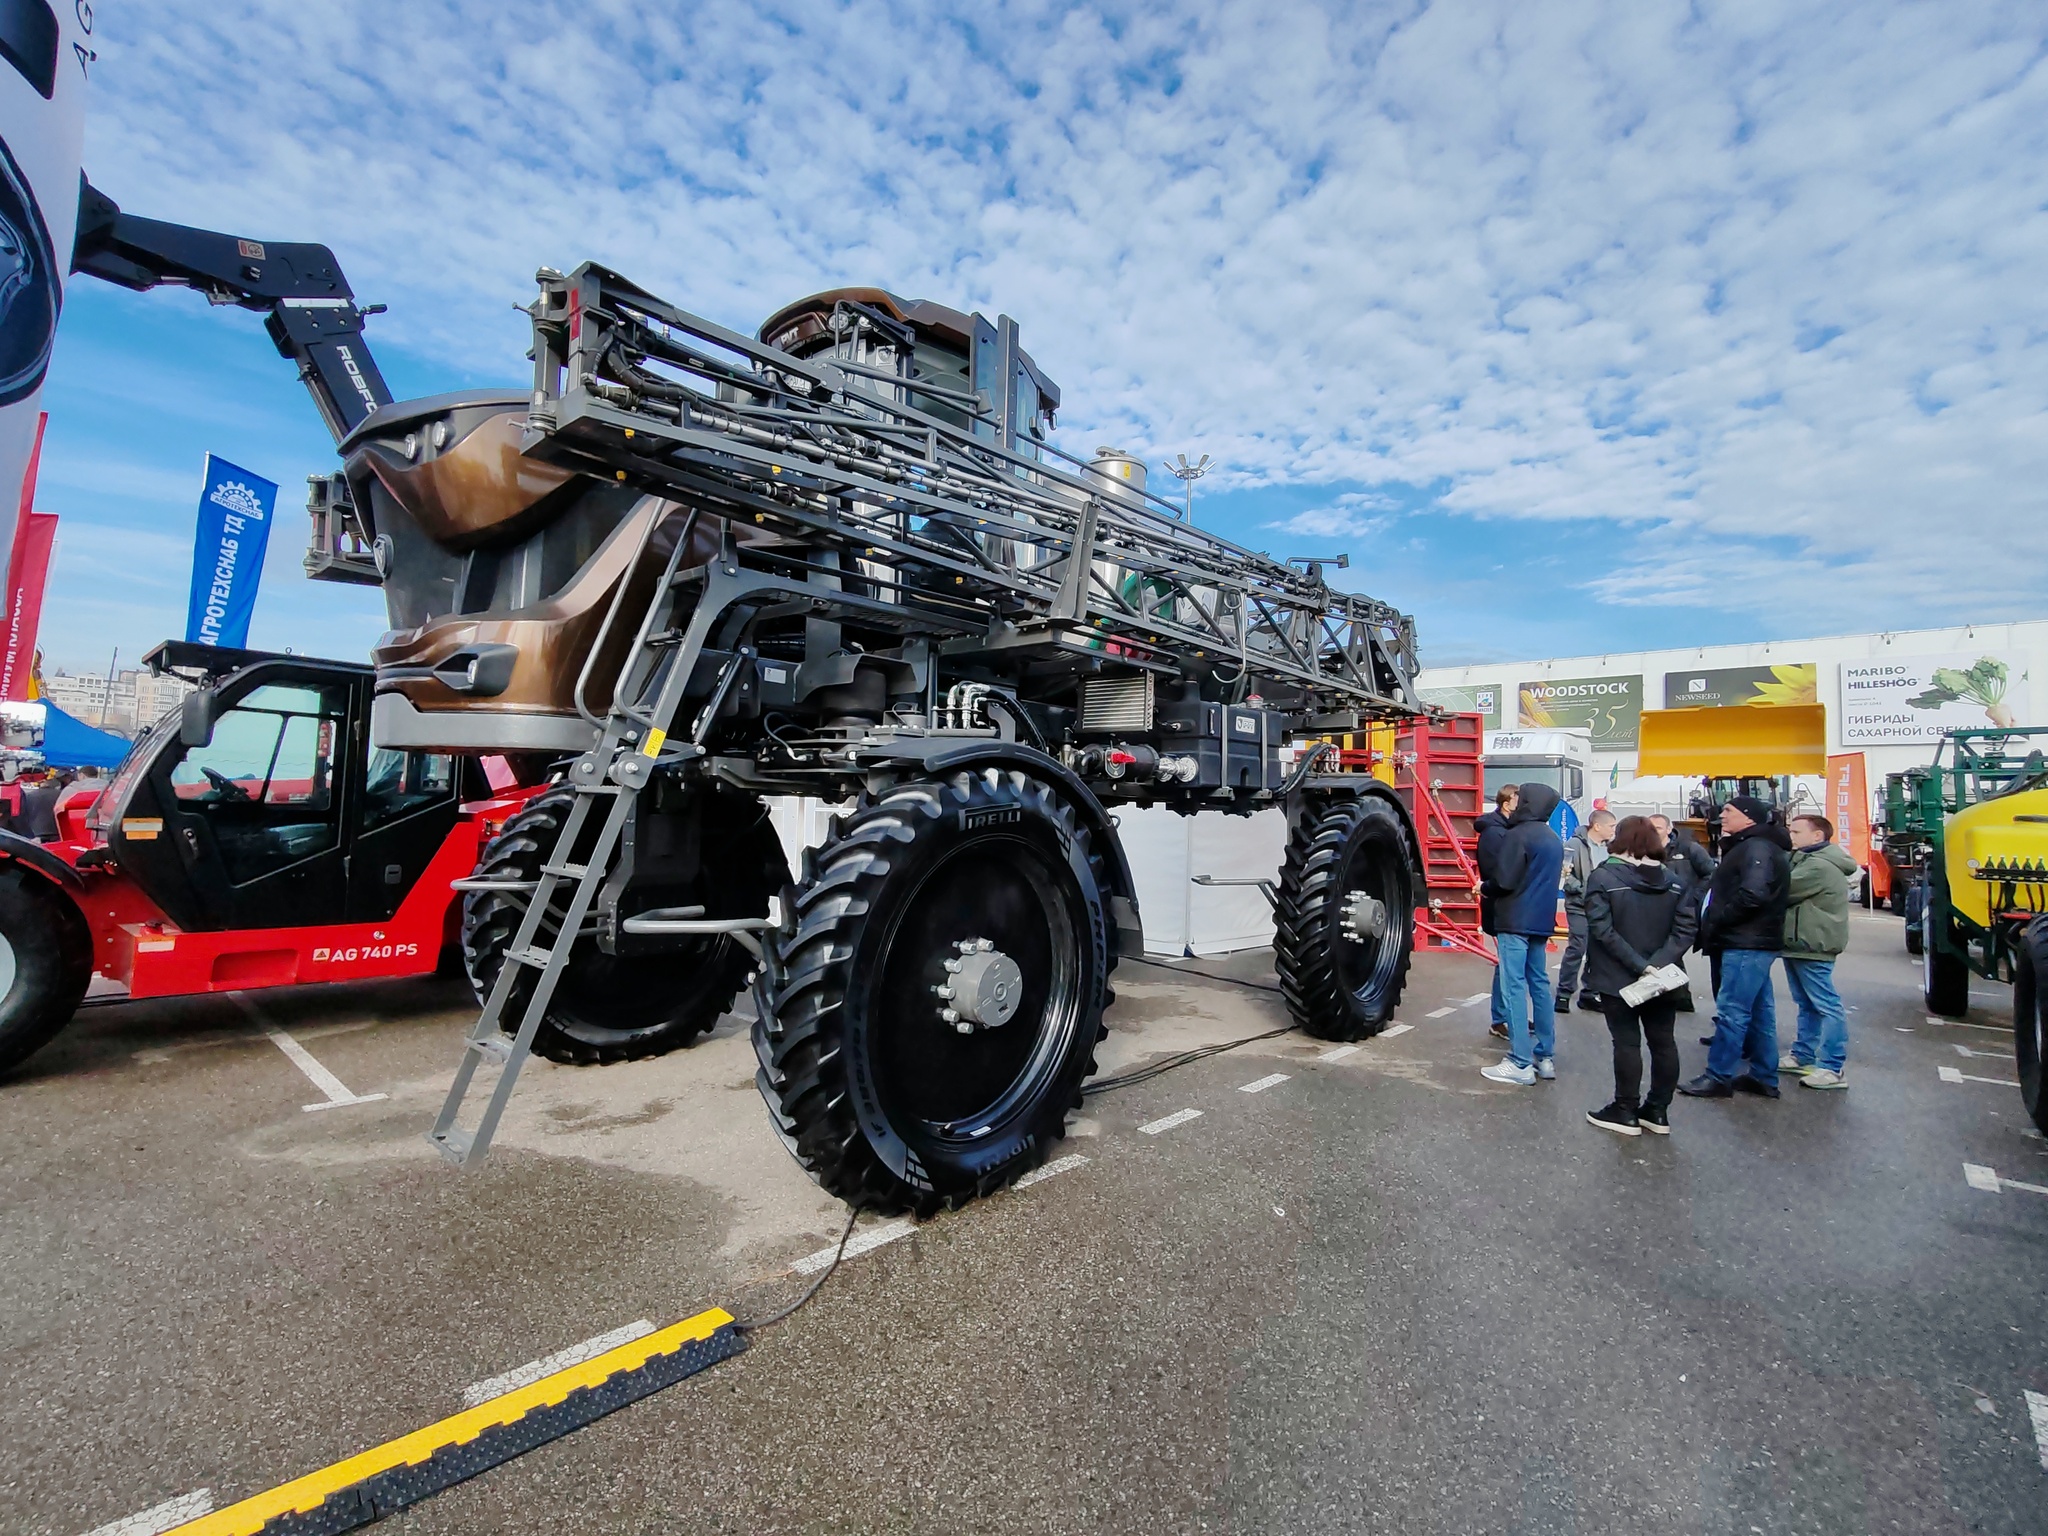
[[33, 539], [28, 567], [1849, 805]]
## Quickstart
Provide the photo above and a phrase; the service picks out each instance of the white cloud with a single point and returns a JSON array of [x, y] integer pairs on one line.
[[1702, 269]]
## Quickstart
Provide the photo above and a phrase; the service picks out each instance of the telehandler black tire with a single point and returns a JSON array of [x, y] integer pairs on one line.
[[2030, 1019], [624, 1007], [45, 962], [1341, 982], [883, 1100]]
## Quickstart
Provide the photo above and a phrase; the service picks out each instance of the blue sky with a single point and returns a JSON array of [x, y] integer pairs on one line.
[[1581, 326]]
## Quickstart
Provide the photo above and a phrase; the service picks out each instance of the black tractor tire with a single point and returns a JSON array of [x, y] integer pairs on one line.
[[1916, 917], [1337, 986], [45, 962], [623, 1007], [2030, 1019], [1944, 977], [883, 1101]]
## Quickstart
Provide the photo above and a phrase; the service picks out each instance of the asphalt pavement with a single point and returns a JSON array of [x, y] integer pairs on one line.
[[1373, 1293]]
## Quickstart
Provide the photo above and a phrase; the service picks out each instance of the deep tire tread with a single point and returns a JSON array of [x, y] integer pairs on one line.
[[1310, 889], [797, 1034]]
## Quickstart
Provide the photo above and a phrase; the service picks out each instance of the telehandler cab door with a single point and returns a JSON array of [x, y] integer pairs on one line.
[[245, 828], [408, 804]]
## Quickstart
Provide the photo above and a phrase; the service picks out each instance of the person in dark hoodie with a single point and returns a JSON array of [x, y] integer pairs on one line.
[[1524, 885], [1492, 828], [1639, 917], [1686, 859], [1742, 919]]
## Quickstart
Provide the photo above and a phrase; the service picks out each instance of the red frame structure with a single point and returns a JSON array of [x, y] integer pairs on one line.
[[1436, 768], [136, 945]]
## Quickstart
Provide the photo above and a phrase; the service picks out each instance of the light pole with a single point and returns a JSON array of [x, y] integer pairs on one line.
[[1188, 475]]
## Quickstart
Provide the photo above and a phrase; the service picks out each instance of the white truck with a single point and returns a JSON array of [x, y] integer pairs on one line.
[[1561, 758]]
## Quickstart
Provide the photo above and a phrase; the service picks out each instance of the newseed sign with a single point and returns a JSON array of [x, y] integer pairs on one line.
[[1611, 707]]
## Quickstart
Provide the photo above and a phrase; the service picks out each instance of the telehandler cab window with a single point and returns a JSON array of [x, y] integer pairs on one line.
[[402, 782], [267, 781]]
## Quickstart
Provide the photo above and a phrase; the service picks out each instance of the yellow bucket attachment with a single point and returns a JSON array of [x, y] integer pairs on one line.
[[1739, 742]]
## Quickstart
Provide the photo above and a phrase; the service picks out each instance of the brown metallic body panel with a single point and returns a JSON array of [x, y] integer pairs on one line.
[[555, 636], [478, 489]]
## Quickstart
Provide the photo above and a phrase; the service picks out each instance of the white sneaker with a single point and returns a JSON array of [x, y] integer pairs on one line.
[[1546, 1068], [1505, 1071], [1821, 1077]]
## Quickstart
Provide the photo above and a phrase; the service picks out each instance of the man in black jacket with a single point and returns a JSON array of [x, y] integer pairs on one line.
[[1492, 828], [1523, 883], [1686, 859], [1743, 921]]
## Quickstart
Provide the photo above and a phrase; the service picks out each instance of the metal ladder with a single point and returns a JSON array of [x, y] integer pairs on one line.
[[631, 743]]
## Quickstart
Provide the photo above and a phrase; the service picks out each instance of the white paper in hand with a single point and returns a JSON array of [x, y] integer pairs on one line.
[[1666, 978]]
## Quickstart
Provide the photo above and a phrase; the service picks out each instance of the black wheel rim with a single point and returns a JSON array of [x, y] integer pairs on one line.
[[1366, 968], [956, 1086]]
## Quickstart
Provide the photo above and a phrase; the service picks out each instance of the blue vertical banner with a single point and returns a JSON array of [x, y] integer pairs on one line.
[[227, 553]]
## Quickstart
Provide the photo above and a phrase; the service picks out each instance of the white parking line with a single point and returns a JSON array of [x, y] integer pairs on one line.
[[338, 1096], [1953, 1075], [1338, 1053], [1178, 1117], [2037, 1409], [1996, 1029], [1977, 1176], [856, 1245], [1271, 1080], [1964, 1050], [1440, 1013], [1051, 1170], [1396, 1029], [161, 1518], [1476, 999], [527, 1374]]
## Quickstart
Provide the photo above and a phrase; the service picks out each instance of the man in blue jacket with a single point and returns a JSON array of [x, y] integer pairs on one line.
[[1492, 827], [1524, 884]]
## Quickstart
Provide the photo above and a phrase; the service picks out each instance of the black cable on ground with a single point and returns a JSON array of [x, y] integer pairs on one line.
[[742, 1325], [1088, 1090], [1146, 1073], [1181, 970]]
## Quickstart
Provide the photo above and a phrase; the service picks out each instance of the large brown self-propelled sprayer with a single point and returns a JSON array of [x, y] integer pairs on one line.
[[692, 569]]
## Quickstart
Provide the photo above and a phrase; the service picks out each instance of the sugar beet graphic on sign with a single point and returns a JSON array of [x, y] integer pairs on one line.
[[1984, 683]]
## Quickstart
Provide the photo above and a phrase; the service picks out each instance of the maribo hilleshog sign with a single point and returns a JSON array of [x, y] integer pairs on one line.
[[227, 553]]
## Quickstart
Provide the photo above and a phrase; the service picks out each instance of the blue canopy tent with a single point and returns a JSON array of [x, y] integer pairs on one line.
[[68, 742]]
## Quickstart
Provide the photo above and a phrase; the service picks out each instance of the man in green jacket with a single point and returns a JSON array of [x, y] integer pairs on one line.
[[1817, 930]]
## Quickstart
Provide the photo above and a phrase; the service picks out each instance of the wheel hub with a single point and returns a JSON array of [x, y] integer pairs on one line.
[[983, 987], [1365, 917]]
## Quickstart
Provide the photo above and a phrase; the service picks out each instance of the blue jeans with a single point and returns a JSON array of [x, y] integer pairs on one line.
[[1500, 1009], [1525, 992], [1823, 1021], [1746, 1033]]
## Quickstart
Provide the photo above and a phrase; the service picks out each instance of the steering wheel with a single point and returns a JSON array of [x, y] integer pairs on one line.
[[228, 788]]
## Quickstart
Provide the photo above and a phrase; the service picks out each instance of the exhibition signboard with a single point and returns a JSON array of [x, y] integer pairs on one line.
[[1900, 700], [1467, 699], [1786, 683], [1611, 707]]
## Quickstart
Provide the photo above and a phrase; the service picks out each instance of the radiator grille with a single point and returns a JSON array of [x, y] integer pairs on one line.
[[1117, 703]]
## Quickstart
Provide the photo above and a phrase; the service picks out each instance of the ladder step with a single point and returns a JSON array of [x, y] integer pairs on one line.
[[566, 871], [496, 1046], [536, 957], [452, 1144]]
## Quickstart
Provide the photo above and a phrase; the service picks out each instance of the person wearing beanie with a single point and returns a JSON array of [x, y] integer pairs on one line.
[[1742, 919]]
